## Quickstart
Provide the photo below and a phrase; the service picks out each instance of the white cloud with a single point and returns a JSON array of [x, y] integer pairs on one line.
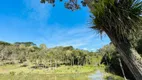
[[61, 36], [85, 49]]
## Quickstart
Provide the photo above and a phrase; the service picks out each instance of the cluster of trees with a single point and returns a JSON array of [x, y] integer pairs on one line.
[[21, 52]]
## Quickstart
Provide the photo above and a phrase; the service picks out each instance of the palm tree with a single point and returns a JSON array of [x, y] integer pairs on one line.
[[120, 19]]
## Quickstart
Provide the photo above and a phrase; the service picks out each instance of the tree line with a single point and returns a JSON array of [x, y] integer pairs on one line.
[[28, 52]]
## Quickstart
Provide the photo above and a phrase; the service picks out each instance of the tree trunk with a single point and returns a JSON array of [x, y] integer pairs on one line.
[[129, 55], [78, 62], [133, 61]]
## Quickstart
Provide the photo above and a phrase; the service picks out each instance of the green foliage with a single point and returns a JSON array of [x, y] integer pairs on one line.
[[139, 47], [43, 46], [12, 73], [110, 59], [25, 43], [51, 57], [4, 43], [120, 18], [113, 77], [69, 4]]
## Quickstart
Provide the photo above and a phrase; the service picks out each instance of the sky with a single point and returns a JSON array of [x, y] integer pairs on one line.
[[29, 20]]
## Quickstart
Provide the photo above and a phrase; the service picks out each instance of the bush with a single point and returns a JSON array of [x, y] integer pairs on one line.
[[9, 62], [23, 65], [12, 73], [39, 66]]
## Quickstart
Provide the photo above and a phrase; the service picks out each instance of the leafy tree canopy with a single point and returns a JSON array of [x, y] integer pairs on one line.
[[25, 43]]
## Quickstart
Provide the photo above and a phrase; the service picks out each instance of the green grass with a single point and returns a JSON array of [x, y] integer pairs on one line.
[[29, 76], [60, 70], [112, 76], [75, 69], [15, 72]]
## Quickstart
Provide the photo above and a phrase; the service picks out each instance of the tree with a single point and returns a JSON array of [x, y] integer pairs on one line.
[[43, 46], [25, 43], [4, 43], [120, 20]]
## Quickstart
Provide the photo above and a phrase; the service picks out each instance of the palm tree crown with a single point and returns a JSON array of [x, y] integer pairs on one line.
[[120, 17]]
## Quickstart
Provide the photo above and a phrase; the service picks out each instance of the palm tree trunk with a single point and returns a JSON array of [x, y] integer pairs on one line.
[[129, 55], [133, 61]]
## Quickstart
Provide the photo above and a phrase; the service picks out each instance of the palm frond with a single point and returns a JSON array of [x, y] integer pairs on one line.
[[122, 18]]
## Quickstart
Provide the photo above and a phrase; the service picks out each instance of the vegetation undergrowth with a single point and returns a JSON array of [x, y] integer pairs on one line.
[[16, 69]]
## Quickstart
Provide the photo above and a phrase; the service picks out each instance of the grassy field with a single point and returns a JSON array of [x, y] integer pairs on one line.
[[29, 76], [15, 72], [16, 69]]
